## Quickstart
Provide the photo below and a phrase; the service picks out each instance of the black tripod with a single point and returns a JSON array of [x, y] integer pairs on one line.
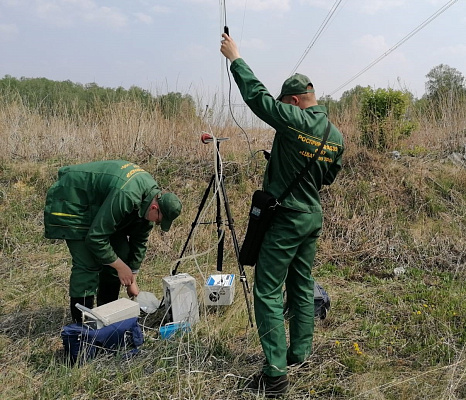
[[218, 220]]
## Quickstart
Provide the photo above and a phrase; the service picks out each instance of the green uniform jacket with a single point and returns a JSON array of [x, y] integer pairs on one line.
[[298, 136], [93, 201]]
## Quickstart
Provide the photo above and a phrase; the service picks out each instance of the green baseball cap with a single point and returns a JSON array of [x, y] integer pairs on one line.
[[170, 207], [296, 84]]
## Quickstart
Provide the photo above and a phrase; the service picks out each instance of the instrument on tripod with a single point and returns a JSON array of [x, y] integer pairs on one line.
[[219, 180]]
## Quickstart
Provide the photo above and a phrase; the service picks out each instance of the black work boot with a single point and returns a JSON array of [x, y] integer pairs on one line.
[[76, 314], [270, 386]]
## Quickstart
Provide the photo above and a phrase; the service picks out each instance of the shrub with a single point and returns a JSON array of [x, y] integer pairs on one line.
[[383, 118]]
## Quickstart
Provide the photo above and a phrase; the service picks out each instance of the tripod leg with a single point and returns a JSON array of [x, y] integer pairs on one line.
[[242, 272], [193, 225]]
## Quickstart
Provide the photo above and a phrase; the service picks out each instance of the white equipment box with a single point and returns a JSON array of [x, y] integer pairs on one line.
[[112, 312], [219, 290], [181, 298]]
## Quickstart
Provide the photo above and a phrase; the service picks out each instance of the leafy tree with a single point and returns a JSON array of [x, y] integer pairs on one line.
[[445, 92], [349, 101], [352, 97], [383, 118], [332, 105], [176, 105], [444, 82]]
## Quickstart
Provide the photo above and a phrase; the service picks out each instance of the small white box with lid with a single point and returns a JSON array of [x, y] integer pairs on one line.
[[219, 290], [109, 313]]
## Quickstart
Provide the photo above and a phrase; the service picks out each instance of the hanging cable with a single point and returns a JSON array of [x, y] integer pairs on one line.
[[317, 34], [408, 36], [244, 18], [226, 30]]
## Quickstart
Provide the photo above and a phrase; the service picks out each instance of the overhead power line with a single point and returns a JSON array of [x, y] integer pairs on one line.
[[317, 34], [408, 36]]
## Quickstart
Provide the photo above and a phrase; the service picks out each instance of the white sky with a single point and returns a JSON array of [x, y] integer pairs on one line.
[[173, 45]]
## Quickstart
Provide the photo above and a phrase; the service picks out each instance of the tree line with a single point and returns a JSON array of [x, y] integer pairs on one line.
[[66, 98], [384, 115]]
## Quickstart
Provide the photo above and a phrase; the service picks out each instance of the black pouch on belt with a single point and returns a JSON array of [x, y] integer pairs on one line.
[[260, 216]]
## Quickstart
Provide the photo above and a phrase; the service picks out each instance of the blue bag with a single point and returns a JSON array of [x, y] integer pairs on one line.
[[84, 343]]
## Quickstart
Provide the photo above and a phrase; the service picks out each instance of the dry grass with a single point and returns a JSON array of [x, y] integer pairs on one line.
[[387, 336]]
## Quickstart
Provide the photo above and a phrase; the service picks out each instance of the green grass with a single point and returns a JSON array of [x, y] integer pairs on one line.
[[387, 336]]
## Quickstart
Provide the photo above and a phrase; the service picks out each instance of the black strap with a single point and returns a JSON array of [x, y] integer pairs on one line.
[[306, 168]]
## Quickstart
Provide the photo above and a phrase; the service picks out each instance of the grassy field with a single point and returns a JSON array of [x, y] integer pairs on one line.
[[388, 335]]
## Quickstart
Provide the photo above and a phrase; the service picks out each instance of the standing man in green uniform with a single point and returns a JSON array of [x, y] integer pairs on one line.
[[105, 211], [287, 252]]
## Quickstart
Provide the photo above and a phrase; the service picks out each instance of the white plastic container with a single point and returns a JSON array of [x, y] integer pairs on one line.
[[219, 290], [112, 312], [181, 298]]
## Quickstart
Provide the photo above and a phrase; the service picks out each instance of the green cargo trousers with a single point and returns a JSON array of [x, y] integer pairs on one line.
[[89, 277], [286, 257]]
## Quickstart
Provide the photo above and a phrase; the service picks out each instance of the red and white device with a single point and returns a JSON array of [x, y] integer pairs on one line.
[[206, 138]]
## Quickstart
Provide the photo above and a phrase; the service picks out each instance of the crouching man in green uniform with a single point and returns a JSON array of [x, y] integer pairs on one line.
[[287, 252], [105, 211]]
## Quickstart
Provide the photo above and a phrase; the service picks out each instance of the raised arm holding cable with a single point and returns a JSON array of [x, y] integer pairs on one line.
[[287, 252]]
